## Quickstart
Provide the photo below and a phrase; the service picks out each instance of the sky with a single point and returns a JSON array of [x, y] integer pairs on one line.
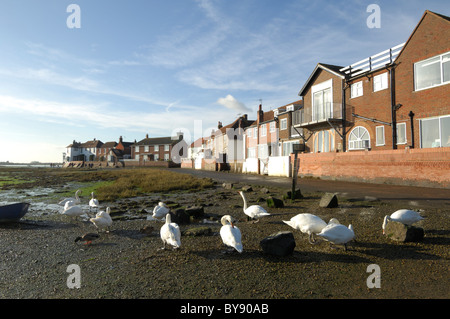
[[112, 68]]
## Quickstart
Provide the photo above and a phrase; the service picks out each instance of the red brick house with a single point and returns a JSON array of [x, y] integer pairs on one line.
[[422, 78], [154, 149], [394, 120]]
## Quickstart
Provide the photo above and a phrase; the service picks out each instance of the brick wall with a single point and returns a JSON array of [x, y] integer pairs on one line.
[[416, 167]]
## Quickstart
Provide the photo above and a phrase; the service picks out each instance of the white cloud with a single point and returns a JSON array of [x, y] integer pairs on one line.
[[231, 103]]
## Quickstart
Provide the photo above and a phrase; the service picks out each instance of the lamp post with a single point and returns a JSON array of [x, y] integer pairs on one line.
[[296, 148]]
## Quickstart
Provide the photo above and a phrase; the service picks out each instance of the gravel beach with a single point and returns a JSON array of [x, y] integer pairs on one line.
[[128, 263]]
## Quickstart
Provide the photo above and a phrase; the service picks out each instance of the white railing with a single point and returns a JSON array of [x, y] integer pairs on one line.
[[374, 62]]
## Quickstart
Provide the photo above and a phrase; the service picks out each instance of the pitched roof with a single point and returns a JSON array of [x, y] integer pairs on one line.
[[334, 69], [156, 141], [437, 15], [109, 145]]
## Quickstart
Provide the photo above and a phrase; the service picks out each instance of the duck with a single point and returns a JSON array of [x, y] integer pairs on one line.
[[93, 202], [230, 234], [404, 216], [309, 224], [338, 234], [160, 211], [66, 202], [87, 238], [170, 233], [254, 211], [102, 220]]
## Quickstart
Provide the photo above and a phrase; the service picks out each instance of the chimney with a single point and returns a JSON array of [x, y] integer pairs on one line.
[[146, 135], [245, 117], [219, 126], [120, 139], [260, 117]]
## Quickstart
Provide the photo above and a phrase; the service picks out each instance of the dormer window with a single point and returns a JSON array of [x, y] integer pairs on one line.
[[290, 108], [275, 113]]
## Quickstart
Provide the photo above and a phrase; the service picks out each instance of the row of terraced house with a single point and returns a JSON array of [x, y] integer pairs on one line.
[[383, 119]]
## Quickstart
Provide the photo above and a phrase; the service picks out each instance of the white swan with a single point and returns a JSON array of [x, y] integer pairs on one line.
[[337, 234], [102, 219], [93, 202], [230, 234], [404, 216], [254, 211], [170, 233], [73, 211], [72, 201], [160, 210], [307, 223]]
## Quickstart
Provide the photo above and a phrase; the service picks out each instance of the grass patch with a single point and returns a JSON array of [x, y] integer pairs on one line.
[[137, 182]]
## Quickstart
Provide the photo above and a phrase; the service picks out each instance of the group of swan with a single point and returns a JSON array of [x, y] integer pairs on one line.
[[339, 234], [102, 219], [313, 225], [310, 224]]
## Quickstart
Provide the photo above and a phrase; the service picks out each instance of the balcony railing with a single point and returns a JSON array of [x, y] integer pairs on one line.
[[374, 62], [327, 112]]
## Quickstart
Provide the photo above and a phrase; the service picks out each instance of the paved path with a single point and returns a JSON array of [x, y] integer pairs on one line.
[[437, 196]]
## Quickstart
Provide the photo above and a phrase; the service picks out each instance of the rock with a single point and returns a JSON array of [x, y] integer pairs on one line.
[[273, 202], [400, 232], [180, 217], [279, 244], [227, 185], [329, 200], [196, 212], [264, 190], [247, 188], [297, 194]]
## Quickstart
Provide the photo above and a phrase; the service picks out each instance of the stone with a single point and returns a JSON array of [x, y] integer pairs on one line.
[[196, 212], [329, 200], [273, 202], [247, 188], [403, 233], [180, 217], [227, 185], [264, 190], [297, 194], [279, 244]]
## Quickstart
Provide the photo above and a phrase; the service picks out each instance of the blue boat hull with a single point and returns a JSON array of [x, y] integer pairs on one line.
[[13, 212]]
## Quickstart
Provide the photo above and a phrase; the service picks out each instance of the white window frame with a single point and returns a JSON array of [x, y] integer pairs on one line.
[[380, 82], [156, 148], [166, 148], [441, 62], [272, 127], [166, 157], [136, 149], [146, 148], [358, 144], [283, 124], [251, 152], [255, 132], [263, 130], [402, 127], [249, 132], [356, 89], [379, 132], [442, 141]]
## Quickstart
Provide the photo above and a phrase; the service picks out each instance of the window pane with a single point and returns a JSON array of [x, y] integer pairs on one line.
[[445, 131], [380, 135], [429, 132], [401, 133], [446, 67], [428, 73]]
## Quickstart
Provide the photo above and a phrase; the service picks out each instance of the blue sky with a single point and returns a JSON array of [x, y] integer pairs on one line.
[[155, 67]]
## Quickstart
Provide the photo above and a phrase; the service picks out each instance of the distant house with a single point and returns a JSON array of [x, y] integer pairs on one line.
[[87, 151], [287, 117], [157, 149]]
